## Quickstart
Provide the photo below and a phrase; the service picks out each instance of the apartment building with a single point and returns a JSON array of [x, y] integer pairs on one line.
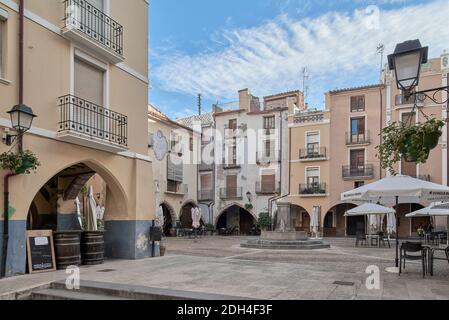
[[171, 150], [85, 75], [204, 125], [334, 150], [251, 157]]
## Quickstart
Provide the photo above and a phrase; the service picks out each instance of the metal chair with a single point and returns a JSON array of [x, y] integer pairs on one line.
[[360, 237], [410, 247], [384, 240]]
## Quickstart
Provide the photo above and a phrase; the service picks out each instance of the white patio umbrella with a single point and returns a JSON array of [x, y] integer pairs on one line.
[[315, 224], [196, 216], [396, 190], [160, 216], [91, 218], [434, 210], [374, 212], [78, 211]]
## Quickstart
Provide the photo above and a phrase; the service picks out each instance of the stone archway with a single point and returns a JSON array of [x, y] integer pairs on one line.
[[300, 218], [337, 225], [169, 219], [234, 219], [185, 214]]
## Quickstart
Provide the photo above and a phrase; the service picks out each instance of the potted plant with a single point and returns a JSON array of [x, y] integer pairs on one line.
[[411, 143], [264, 221], [210, 228], [23, 162], [249, 206]]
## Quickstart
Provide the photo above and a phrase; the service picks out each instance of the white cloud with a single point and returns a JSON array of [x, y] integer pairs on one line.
[[335, 47]]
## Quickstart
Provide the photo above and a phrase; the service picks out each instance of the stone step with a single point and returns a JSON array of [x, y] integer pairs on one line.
[[132, 292], [281, 243], [285, 247], [62, 294]]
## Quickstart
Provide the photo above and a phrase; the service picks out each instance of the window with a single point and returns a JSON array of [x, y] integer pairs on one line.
[[231, 186], [313, 177], [358, 104], [89, 82], [313, 144], [174, 173], [268, 183], [358, 130], [191, 144], [358, 184], [269, 123], [357, 159], [232, 125], [3, 17], [268, 148]]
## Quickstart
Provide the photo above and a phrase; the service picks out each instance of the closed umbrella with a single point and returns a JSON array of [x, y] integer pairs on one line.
[[315, 224], [391, 223], [78, 211], [195, 218], [396, 190], [160, 216], [91, 218]]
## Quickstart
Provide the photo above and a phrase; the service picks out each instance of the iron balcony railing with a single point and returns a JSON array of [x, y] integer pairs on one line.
[[231, 193], [268, 188], [358, 138], [263, 159], [312, 189], [401, 99], [95, 24], [179, 188], [230, 164], [312, 153], [363, 171], [205, 195], [82, 116]]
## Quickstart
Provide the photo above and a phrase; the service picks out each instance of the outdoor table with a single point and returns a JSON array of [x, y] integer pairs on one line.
[[431, 250]]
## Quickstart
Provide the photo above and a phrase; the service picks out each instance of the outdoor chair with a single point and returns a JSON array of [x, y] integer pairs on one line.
[[384, 240], [360, 238], [418, 253]]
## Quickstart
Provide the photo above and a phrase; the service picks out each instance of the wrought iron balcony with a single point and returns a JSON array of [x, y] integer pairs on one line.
[[362, 138], [318, 189], [230, 164], [205, 195], [263, 159], [268, 188], [231, 193], [312, 153], [90, 26], [358, 172], [85, 123]]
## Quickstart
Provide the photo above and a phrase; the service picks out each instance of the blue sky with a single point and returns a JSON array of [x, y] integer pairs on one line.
[[219, 47]]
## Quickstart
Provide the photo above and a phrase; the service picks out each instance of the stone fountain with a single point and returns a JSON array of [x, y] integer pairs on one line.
[[285, 237]]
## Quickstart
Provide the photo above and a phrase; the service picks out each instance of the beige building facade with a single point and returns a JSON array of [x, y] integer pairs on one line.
[[334, 151], [88, 84]]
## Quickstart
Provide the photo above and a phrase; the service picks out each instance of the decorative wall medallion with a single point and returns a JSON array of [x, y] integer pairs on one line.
[[160, 145]]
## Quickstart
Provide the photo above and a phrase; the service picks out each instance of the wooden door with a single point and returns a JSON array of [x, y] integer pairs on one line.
[[231, 186]]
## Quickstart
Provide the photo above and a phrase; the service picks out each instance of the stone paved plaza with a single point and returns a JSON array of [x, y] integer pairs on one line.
[[218, 265]]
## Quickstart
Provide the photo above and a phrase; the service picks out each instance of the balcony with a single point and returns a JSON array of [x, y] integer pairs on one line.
[[205, 167], [179, 189], [263, 160], [89, 26], [268, 189], [231, 193], [402, 100], [313, 190], [365, 172], [205, 195], [358, 139], [90, 125], [313, 154], [230, 165]]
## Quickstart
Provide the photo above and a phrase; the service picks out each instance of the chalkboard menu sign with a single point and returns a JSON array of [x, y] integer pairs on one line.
[[41, 252]]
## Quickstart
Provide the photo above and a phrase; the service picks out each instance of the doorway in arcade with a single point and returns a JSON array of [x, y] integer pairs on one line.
[[237, 221]]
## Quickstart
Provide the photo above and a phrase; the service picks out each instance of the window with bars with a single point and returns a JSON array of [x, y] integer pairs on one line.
[[269, 123], [358, 104]]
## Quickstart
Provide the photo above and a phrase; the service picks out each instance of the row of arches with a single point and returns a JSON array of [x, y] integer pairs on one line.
[[335, 224]]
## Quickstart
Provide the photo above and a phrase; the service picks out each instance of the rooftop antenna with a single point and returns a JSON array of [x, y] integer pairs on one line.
[[305, 78], [199, 104]]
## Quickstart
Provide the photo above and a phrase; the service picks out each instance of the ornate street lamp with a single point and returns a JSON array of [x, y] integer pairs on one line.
[[22, 118], [406, 61]]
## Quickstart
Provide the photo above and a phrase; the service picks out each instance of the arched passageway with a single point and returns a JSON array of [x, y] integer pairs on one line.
[[54, 206], [300, 218], [335, 223], [236, 220], [408, 226], [169, 219], [185, 217]]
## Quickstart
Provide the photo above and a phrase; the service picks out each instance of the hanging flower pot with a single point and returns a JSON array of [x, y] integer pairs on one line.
[[19, 163], [412, 143]]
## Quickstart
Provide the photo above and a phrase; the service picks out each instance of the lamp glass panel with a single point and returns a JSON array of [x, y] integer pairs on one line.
[[15, 118], [25, 121], [407, 69]]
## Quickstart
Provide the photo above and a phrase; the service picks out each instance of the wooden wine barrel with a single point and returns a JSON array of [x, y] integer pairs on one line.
[[67, 249], [92, 247]]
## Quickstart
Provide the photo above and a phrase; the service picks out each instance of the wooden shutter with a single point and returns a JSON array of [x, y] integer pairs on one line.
[[174, 169], [206, 182], [89, 82], [268, 183]]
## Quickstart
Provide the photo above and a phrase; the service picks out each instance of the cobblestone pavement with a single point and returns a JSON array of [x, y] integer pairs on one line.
[[218, 265]]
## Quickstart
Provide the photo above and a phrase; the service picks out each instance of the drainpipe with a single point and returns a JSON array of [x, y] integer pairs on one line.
[[20, 143]]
